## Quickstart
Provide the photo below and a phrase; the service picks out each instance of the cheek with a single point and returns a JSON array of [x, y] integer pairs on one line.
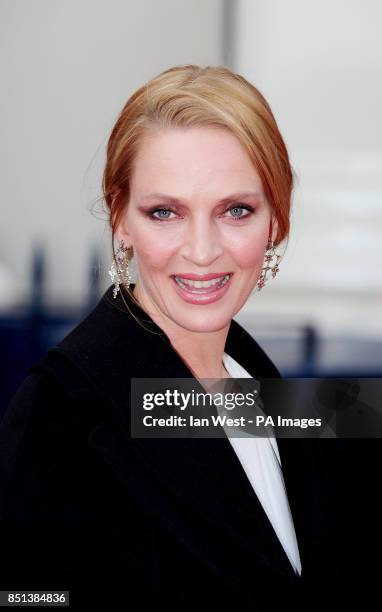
[[247, 249], [152, 248]]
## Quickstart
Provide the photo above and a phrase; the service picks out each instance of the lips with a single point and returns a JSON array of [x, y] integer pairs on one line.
[[201, 286], [202, 292], [202, 277]]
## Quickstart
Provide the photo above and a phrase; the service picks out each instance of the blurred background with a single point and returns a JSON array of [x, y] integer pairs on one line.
[[67, 68]]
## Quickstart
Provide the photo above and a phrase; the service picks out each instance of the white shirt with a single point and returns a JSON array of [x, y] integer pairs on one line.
[[261, 461]]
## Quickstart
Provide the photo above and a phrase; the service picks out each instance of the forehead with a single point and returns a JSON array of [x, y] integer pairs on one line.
[[192, 159]]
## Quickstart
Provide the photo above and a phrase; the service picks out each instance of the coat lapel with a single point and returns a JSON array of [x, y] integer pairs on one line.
[[204, 473]]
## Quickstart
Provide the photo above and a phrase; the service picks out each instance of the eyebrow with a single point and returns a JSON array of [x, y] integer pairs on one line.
[[235, 196]]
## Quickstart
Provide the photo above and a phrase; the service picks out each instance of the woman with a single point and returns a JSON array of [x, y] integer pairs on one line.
[[198, 184]]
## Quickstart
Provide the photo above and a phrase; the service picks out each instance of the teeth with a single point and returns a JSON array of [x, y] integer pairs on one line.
[[186, 283]]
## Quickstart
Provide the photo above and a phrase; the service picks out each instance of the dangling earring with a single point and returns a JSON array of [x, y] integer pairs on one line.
[[269, 255], [120, 274]]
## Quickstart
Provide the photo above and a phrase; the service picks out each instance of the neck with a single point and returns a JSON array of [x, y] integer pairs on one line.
[[201, 351]]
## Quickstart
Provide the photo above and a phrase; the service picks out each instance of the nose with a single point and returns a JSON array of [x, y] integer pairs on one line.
[[202, 242]]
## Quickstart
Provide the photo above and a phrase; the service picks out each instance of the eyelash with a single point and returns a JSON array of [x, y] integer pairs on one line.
[[250, 209]]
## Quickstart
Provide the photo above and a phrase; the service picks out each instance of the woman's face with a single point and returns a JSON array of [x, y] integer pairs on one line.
[[196, 209]]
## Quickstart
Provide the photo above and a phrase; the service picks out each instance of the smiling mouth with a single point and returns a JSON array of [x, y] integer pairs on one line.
[[195, 286]]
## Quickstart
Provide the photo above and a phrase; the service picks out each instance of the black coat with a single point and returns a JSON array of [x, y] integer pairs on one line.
[[167, 523]]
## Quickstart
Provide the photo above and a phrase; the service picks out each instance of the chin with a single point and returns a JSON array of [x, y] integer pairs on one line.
[[203, 322]]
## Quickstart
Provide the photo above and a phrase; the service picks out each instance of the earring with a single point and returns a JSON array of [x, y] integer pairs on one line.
[[269, 255], [120, 274]]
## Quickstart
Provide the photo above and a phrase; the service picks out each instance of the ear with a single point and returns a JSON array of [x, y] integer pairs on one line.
[[275, 227], [121, 231]]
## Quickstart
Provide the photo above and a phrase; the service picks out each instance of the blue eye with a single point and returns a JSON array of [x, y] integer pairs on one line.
[[239, 209], [162, 210]]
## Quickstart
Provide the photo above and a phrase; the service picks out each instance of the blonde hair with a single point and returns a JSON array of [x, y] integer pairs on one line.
[[193, 96]]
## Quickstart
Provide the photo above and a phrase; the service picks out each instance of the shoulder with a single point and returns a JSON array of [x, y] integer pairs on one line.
[[53, 388], [107, 324]]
